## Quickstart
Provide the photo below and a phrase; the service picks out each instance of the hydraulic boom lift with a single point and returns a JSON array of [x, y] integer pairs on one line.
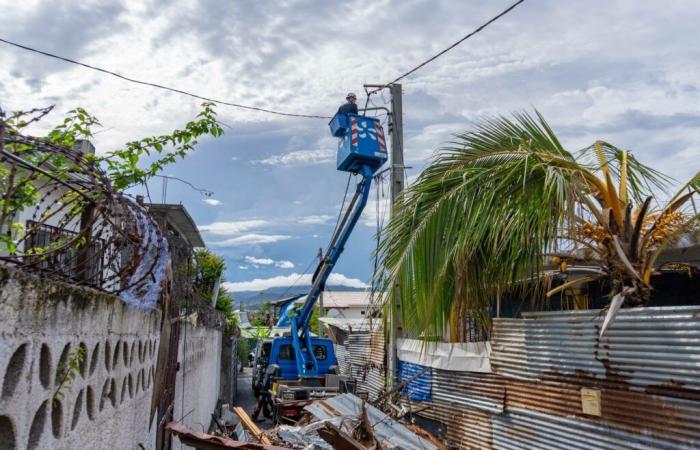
[[361, 151]]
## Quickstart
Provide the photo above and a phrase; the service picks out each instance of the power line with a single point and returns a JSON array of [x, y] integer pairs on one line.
[[205, 192], [255, 108], [433, 58], [160, 86]]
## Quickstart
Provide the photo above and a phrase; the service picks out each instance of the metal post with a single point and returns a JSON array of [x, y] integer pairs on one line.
[[320, 296], [397, 184]]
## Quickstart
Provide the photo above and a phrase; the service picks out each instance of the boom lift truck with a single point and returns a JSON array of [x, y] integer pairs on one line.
[[300, 368]]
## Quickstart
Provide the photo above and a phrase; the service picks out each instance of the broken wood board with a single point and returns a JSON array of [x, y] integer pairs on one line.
[[250, 425]]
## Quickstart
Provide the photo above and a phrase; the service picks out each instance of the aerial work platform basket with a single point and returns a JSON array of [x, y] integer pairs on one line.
[[362, 142]]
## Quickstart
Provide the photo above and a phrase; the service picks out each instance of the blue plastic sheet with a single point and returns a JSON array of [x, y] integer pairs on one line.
[[420, 388]]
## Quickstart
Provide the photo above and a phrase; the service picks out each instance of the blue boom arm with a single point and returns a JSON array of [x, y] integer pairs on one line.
[[301, 336]]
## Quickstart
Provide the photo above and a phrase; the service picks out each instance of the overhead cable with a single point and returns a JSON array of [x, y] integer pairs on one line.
[[255, 108], [433, 58], [160, 86]]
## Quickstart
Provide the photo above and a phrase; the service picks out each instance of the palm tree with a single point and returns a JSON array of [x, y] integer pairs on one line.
[[488, 210]]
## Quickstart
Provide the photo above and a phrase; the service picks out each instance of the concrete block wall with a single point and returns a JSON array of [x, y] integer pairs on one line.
[[107, 406], [199, 374]]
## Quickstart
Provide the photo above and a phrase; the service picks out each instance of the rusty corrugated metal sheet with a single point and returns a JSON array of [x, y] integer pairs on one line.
[[365, 351], [676, 421], [483, 391], [523, 429], [466, 428], [656, 350], [204, 441], [647, 368]]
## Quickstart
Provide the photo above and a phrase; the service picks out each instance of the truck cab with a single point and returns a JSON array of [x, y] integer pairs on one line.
[[280, 351]]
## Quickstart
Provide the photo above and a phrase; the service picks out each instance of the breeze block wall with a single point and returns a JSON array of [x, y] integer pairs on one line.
[[107, 405]]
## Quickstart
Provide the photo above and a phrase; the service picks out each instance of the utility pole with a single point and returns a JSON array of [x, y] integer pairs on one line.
[[397, 170], [320, 296], [397, 184]]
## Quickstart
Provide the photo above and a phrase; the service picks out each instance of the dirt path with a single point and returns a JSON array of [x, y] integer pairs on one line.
[[245, 397]]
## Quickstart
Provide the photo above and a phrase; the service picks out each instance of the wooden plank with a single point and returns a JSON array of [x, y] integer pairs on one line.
[[250, 425]]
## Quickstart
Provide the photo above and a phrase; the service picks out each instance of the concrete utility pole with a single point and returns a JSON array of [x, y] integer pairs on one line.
[[397, 170], [397, 184]]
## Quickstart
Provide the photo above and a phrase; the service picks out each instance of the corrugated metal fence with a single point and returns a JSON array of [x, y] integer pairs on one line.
[[646, 370], [364, 354]]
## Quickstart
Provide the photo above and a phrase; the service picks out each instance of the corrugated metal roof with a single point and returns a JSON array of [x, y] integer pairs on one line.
[[388, 432], [356, 325], [344, 299]]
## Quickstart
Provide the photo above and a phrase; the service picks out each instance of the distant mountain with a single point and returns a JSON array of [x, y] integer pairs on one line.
[[250, 300]]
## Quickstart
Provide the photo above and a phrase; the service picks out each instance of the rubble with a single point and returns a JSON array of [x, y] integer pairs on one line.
[[347, 422], [204, 441]]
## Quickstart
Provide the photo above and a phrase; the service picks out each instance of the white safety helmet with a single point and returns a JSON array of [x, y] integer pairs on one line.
[[351, 95]]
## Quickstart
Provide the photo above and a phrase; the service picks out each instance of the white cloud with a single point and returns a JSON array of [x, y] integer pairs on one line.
[[315, 220], [260, 261], [232, 228], [259, 284], [282, 264], [300, 158], [212, 201], [250, 239], [369, 215]]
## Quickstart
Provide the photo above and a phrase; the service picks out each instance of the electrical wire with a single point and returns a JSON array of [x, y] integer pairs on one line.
[[206, 192], [160, 86], [308, 267], [255, 108], [436, 56], [342, 205]]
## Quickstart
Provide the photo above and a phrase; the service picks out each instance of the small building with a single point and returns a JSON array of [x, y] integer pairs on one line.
[[336, 304], [175, 219], [346, 304]]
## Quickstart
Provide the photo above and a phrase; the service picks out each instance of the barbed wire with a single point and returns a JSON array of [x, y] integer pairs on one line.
[[60, 217]]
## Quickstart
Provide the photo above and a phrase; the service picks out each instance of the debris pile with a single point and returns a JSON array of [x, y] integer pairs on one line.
[[347, 422], [344, 422]]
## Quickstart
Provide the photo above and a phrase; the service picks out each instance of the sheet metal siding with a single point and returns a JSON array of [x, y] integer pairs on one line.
[[482, 391], [530, 430], [647, 368], [466, 428], [366, 355], [654, 349], [341, 354]]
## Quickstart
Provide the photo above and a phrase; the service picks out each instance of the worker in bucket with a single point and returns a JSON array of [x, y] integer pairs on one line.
[[351, 106]]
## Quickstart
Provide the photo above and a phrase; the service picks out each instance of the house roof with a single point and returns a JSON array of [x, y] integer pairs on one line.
[[343, 299], [178, 218]]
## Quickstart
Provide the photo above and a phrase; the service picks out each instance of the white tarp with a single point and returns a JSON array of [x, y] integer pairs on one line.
[[461, 356]]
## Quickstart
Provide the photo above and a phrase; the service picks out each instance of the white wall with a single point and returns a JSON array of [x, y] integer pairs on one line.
[[199, 374], [107, 406], [347, 313]]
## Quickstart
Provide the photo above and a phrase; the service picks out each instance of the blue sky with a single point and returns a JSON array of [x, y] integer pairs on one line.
[[623, 71]]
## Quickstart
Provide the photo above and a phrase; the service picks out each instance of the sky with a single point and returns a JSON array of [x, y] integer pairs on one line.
[[622, 71]]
